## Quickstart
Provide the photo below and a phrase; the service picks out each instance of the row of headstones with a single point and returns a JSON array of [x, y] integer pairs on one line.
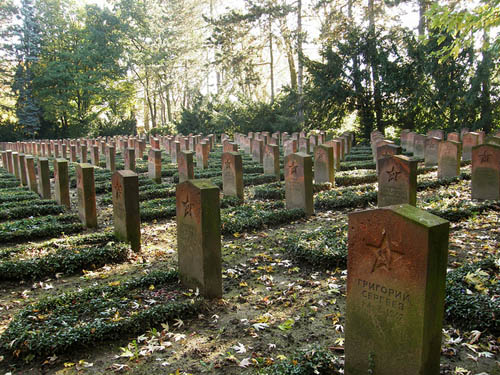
[[398, 174], [395, 285]]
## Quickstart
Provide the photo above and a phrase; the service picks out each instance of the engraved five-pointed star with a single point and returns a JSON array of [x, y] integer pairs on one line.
[[393, 174], [227, 164], [187, 207], [485, 157], [118, 190], [293, 167], [385, 253]]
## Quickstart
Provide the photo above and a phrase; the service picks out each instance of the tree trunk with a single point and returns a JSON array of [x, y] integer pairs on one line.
[[285, 33], [485, 74], [169, 105], [300, 87], [372, 46], [271, 58], [423, 6]]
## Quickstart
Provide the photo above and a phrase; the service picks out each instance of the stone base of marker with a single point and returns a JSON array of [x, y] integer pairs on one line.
[[485, 181], [85, 186], [61, 182], [298, 182], [232, 174], [199, 237], [397, 181], [395, 291], [126, 214]]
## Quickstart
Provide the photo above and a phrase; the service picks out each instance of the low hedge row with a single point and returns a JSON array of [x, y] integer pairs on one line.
[[67, 258], [40, 227], [33, 209], [82, 318]]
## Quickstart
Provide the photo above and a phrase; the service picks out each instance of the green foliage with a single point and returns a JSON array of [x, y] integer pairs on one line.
[[321, 248], [83, 318], [65, 257], [311, 361], [30, 208], [471, 300]]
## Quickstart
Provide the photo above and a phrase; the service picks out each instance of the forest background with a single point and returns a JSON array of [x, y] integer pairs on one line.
[[155, 66]]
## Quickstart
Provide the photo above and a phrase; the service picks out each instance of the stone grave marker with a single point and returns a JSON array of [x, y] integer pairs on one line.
[[469, 140], [31, 174], [83, 153], [22, 170], [397, 261], [73, 158], [385, 150], [154, 165], [199, 237], [272, 160], [450, 153], [397, 181], [419, 146], [185, 166], [15, 163], [44, 178], [232, 174], [258, 150], [126, 214], [453, 137], [290, 147], [175, 150], [94, 155], [304, 145], [129, 159], [61, 182], [323, 164], [202, 155], [298, 182], [486, 172], [110, 158], [431, 151], [85, 186], [493, 140]]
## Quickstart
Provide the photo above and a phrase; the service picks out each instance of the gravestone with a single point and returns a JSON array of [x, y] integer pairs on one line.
[[229, 146], [202, 155], [5, 163], [154, 165], [129, 159], [493, 140], [385, 150], [56, 150], [64, 149], [450, 153], [185, 166], [431, 151], [419, 146], [44, 178], [22, 170], [469, 140], [10, 164], [298, 182], [73, 158], [453, 137], [110, 158], [83, 154], [94, 155], [304, 146], [126, 214], [486, 172], [31, 174], [85, 187], [323, 164], [272, 160], [436, 133], [15, 163], [199, 237], [410, 141], [175, 150], [397, 181], [258, 151], [397, 261], [232, 174], [290, 147], [61, 182], [337, 152]]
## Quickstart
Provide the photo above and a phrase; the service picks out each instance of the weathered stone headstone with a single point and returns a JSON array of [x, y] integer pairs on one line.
[[31, 174], [202, 155], [290, 147], [486, 172], [94, 155], [397, 263], [410, 139], [431, 151], [5, 163], [64, 151], [154, 165], [229, 146], [185, 166], [44, 178], [129, 159], [85, 186], [126, 215], [493, 140], [304, 145], [232, 174], [298, 182], [22, 170], [385, 150], [419, 145], [258, 151], [397, 181], [175, 150], [450, 153], [323, 164], [272, 160], [469, 140], [110, 158], [10, 163], [15, 163], [436, 133], [61, 182], [199, 237], [73, 158], [453, 137]]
